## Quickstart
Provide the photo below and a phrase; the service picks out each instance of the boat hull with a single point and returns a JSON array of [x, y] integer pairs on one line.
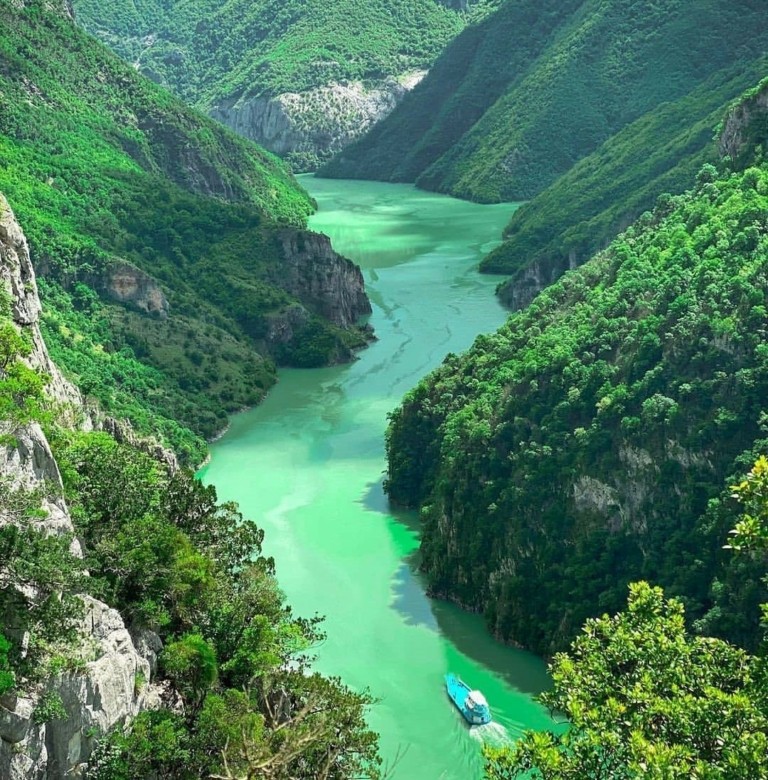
[[459, 693]]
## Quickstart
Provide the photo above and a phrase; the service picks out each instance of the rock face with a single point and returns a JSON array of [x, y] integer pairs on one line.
[[310, 127], [324, 281], [125, 283], [106, 692], [18, 277], [746, 126]]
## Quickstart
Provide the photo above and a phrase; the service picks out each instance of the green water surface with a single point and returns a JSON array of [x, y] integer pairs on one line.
[[308, 464]]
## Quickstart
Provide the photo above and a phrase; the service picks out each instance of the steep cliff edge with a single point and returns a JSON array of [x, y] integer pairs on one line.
[[105, 691], [324, 281], [308, 128], [744, 133]]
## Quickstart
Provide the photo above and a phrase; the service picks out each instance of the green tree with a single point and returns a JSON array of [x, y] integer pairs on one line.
[[190, 664], [645, 699], [7, 677], [751, 532]]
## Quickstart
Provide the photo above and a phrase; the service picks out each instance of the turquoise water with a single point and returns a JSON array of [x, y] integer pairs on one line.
[[308, 464]]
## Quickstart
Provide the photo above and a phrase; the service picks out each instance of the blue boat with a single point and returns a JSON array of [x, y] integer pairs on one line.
[[472, 704]]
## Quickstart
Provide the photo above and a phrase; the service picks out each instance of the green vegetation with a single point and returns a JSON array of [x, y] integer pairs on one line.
[[120, 187], [644, 699], [220, 49], [589, 109], [516, 101], [586, 207], [585, 445], [43, 605], [161, 549]]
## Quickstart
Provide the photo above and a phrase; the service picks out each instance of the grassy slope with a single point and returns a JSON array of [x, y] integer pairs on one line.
[[207, 50], [588, 442], [97, 163]]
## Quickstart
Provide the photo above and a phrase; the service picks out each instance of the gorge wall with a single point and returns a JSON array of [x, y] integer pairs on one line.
[[308, 128], [107, 691]]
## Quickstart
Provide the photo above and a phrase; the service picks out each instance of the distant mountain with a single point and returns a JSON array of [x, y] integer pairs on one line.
[[589, 108], [175, 268], [302, 77]]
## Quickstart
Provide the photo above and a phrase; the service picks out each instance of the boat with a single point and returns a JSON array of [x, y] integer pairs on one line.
[[471, 704]]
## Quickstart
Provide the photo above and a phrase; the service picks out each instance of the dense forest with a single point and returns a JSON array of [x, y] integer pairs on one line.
[[588, 109], [212, 49], [117, 182], [590, 442]]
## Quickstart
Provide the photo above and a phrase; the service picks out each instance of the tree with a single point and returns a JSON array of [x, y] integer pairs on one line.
[[190, 664], [751, 532], [645, 699], [7, 677]]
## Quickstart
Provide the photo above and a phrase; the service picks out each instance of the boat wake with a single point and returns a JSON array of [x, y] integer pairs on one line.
[[491, 734]]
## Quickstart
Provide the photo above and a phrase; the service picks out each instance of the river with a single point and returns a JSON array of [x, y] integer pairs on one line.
[[308, 464]]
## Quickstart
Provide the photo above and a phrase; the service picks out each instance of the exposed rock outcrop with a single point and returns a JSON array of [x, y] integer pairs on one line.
[[125, 283], [324, 281], [746, 126], [310, 127], [106, 693]]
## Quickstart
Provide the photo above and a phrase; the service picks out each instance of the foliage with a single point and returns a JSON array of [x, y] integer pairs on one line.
[[212, 51], [49, 707], [7, 677], [644, 699], [112, 177], [751, 531], [41, 580], [21, 388], [161, 549], [585, 444], [190, 664], [157, 741]]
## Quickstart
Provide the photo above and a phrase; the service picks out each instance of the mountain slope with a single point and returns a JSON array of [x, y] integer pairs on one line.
[[586, 207], [590, 109], [539, 85], [588, 443], [143, 634], [302, 77], [166, 242]]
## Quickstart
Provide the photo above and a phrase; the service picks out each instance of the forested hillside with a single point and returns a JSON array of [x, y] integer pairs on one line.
[[296, 76], [167, 244], [591, 441], [589, 109]]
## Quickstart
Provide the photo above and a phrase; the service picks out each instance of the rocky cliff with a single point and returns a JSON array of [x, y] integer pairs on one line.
[[745, 128], [324, 281], [107, 691], [309, 127]]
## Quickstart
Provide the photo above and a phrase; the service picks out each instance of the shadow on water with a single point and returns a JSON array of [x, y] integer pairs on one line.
[[520, 669]]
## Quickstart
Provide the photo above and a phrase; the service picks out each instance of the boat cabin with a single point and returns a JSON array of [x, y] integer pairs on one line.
[[476, 701]]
